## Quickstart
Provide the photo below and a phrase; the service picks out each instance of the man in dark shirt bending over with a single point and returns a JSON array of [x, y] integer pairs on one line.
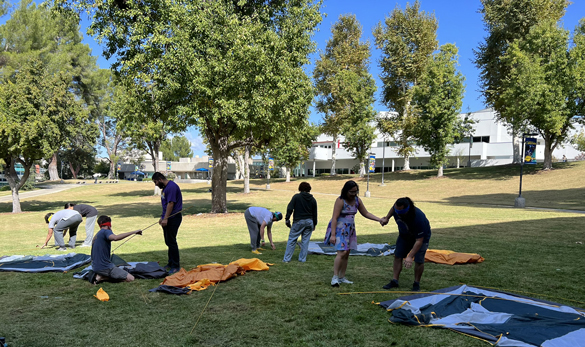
[[171, 218], [100, 253], [90, 213]]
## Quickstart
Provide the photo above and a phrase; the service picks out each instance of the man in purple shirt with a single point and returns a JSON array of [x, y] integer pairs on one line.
[[171, 218]]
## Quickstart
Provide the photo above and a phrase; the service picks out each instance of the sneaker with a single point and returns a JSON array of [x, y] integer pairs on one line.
[[416, 286], [345, 280], [256, 252], [167, 268], [391, 284], [260, 249], [84, 245], [286, 261], [173, 271], [62, 249], [335, 281]]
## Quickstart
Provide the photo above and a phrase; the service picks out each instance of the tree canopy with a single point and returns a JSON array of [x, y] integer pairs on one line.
[[232, 68], [343, 86], [407, 40], [437, 101], [35, 107]]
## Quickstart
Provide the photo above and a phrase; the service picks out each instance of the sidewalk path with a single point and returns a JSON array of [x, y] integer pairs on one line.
[[45, 190]]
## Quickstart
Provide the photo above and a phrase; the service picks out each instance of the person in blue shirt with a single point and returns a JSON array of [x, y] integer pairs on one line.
[[258, 218], [171, 218], [414, 234], [101, 265]]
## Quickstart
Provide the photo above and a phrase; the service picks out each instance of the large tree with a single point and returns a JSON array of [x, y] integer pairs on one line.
[[437, 101], [176, 147], [506, 22], [54, 38], [407, 40], [232, 68], [540, 87], [107, 102], [292, 147], [35, 105], [341, 72]]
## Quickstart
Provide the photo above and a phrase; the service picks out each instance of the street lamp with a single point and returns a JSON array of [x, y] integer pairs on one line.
[[520, 201], [368, 184], [470, 145], [383, 156]]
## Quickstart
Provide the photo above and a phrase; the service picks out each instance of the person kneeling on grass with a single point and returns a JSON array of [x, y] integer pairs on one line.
[[414, 234], [101, 265]]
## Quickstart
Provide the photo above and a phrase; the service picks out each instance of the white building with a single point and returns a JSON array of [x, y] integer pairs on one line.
[[492, 145]]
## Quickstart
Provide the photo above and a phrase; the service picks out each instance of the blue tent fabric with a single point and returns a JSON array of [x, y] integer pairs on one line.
[[201, 169], [46, 263], [499, 318]]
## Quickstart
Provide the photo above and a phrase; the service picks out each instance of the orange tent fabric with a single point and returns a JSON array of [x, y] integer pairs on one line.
[[101, 295], [440, 256], [252, 264], [213, 273], [201, 285]]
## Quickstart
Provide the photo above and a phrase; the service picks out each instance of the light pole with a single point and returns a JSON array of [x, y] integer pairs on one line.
[[470, 145], [383, 156], [520, 201], [368, 184]]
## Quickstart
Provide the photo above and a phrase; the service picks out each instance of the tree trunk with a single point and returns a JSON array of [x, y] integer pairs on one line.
[[406, 163], [219, 177], [74, 172], [333, 155], [112, 173], [287, 174], [153, 148], [548, 149], [240, 167], [13, 181], [363, 168], [247, 170], [440, 171], [517, 150], [53, 171]]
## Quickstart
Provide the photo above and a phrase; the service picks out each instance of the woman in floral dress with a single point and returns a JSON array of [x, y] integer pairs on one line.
[[343, 222]]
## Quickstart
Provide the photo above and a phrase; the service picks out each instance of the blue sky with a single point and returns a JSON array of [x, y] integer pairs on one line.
[[459, 23]]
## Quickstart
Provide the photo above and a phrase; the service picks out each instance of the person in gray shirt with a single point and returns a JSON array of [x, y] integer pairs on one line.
[[58, 223], [90, 213]]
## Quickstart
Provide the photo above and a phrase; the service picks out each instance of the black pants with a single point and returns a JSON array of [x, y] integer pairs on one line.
[[170, 233]]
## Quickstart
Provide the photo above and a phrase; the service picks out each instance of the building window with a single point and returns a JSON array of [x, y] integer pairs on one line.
[[485, 139]]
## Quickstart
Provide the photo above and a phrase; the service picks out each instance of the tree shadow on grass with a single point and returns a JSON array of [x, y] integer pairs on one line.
[[154, 209], [36, 205], [570, 199]]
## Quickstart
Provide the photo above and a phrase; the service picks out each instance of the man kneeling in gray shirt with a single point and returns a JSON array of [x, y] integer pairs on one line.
[[100, 253]]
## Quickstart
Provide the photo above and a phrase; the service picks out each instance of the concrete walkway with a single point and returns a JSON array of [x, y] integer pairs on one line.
[[44, 190]]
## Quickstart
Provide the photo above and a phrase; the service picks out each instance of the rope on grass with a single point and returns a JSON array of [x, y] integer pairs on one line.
[[209, 300], [130, 238]]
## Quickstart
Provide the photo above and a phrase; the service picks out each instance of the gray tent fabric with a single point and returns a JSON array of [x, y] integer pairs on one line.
[[367, 249], [141, 270], [500, 318], [44, 263]]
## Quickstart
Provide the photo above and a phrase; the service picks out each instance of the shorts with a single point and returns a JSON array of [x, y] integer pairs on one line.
[[404, 246], [114, 273]]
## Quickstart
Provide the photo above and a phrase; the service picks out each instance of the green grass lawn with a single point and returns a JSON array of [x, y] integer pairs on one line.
[[526, 250]]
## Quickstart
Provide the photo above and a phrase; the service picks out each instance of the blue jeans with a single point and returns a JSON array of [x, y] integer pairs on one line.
[[302, 228]]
